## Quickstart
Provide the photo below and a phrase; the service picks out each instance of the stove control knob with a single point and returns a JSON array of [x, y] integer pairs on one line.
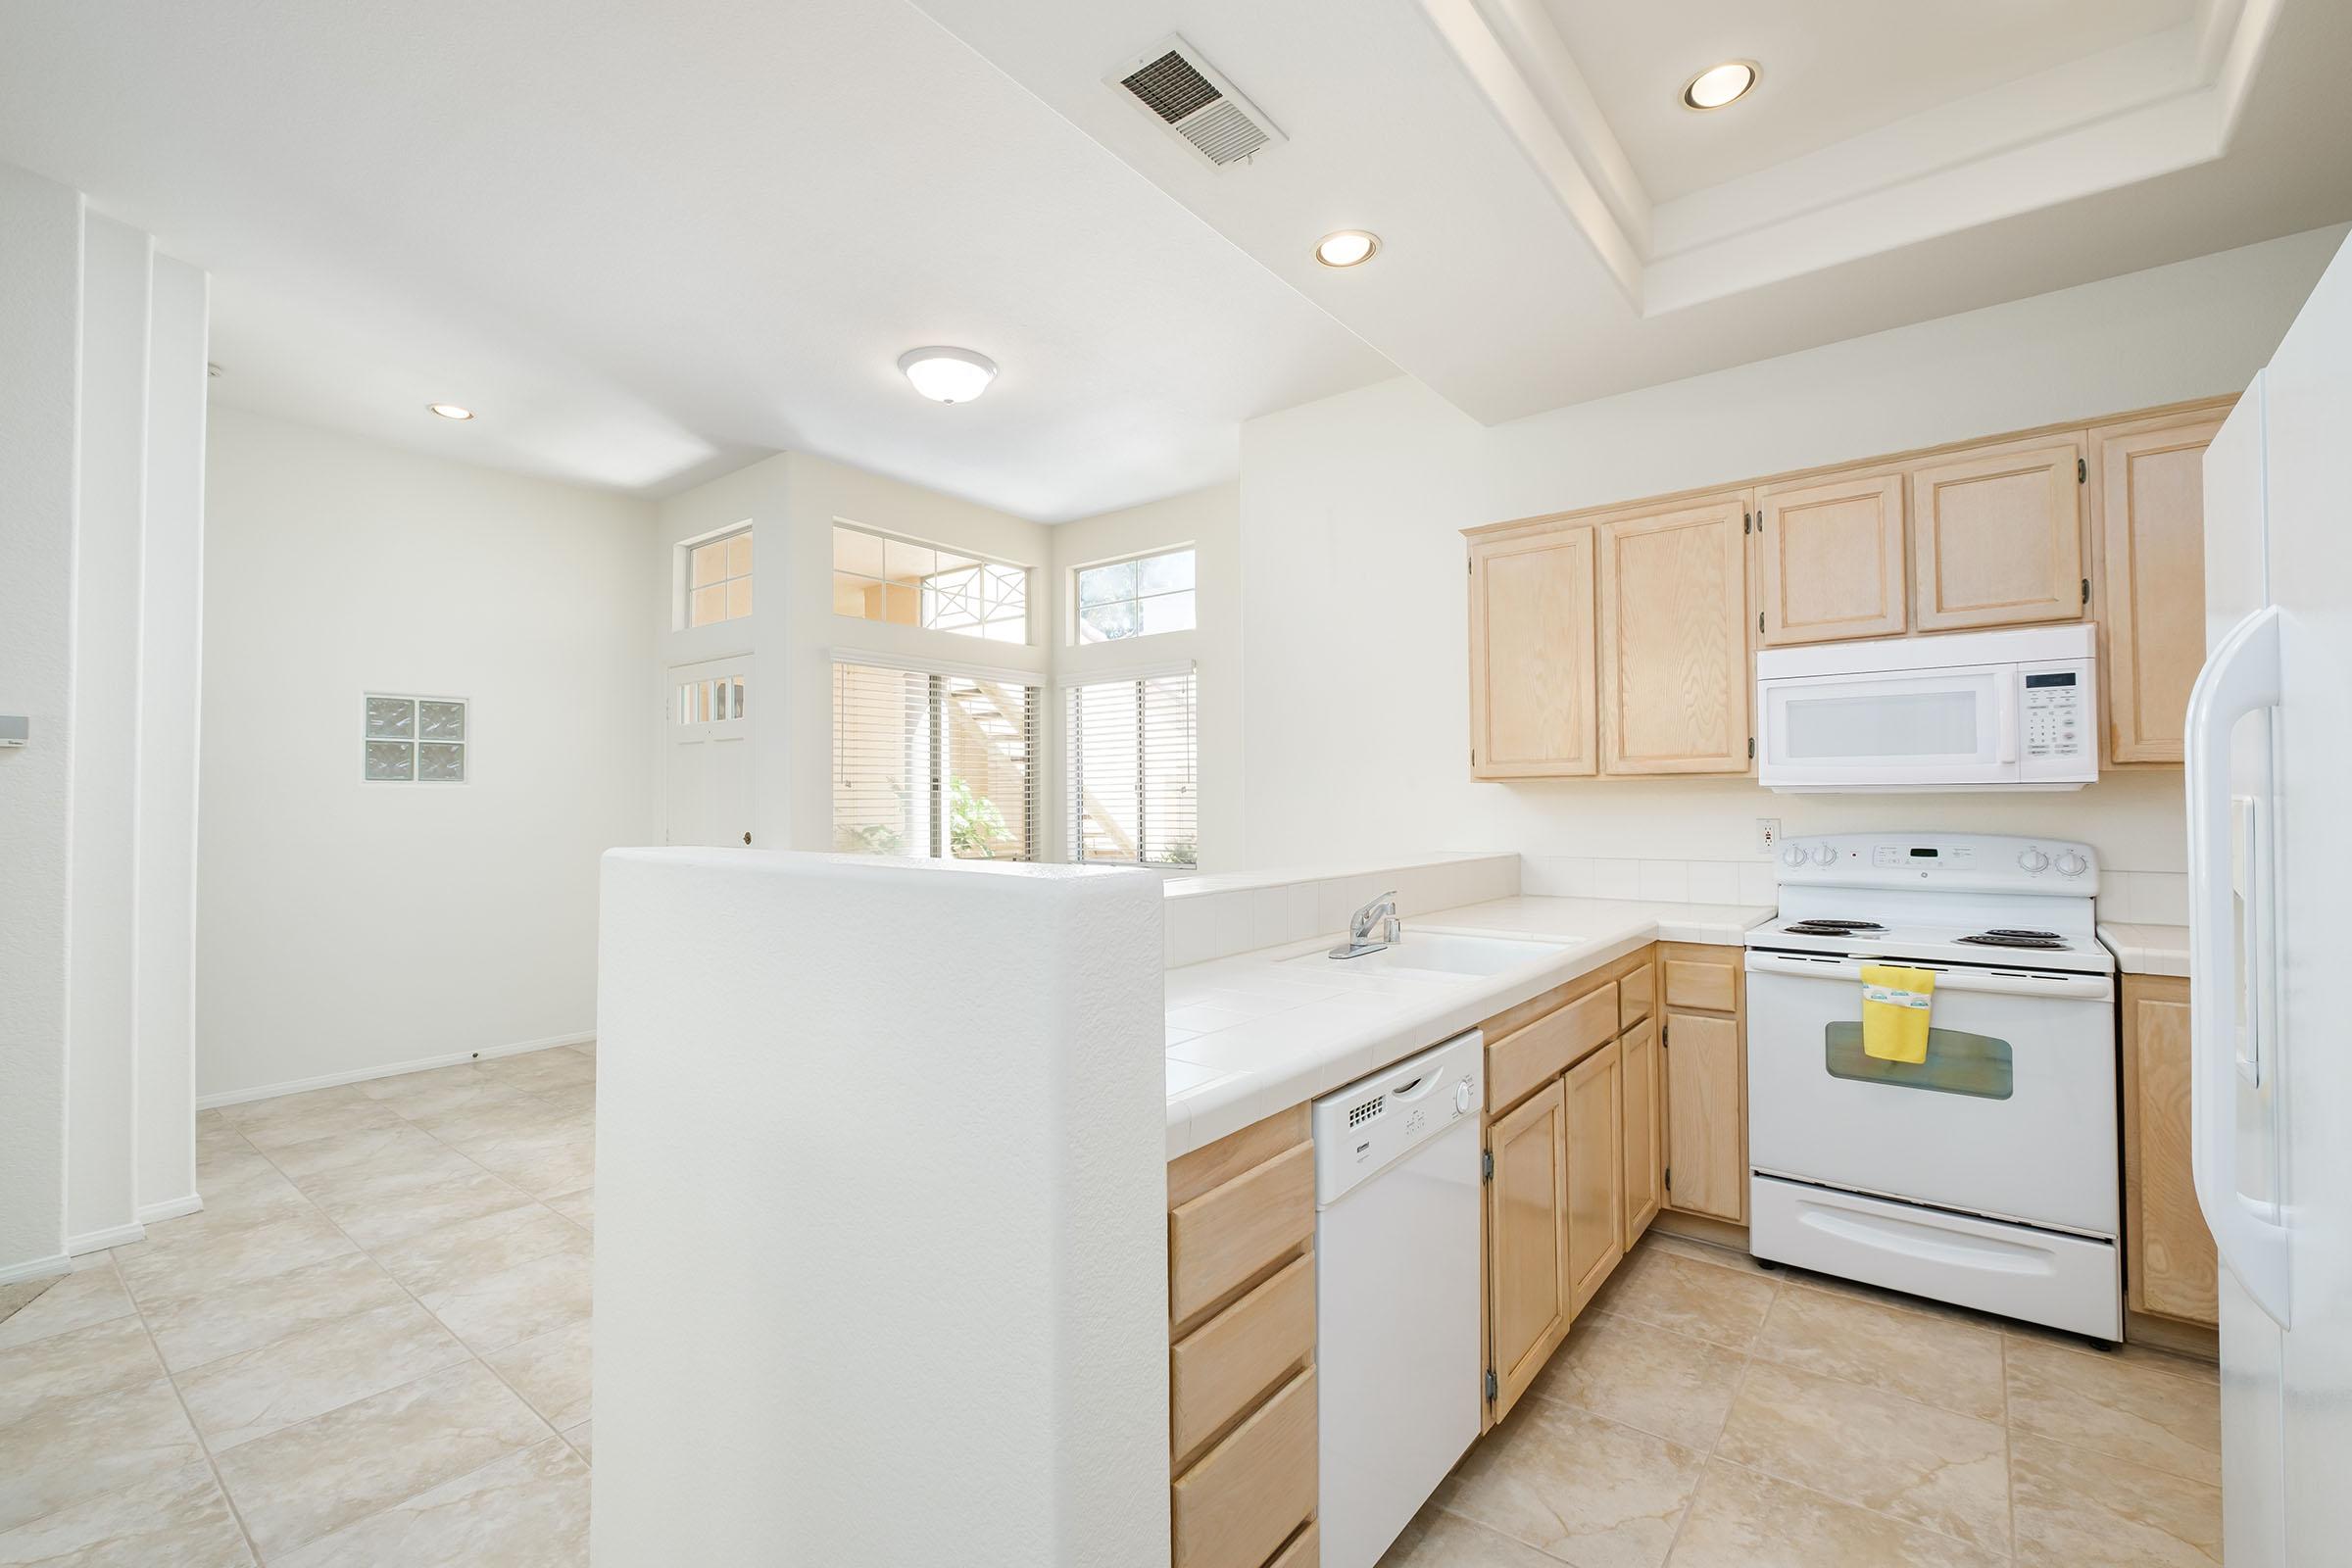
[[2071, 864], [2033, 860], [1823, 855], [1794, 855]]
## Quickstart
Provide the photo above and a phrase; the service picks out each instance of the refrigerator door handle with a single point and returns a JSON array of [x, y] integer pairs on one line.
[[2241, 677]]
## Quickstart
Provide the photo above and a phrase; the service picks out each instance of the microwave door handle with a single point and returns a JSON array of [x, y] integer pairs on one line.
[[2005, 723]]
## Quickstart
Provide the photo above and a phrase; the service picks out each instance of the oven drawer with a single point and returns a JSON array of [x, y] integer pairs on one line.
[[2067, 1281]]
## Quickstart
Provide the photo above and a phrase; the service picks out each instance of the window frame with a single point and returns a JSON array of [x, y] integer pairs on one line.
[[1072, 827], [932, 777], [1076, 629], [417, 701], [975, 561], [684, 558]]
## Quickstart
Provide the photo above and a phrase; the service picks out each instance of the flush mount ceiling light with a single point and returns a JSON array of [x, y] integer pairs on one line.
[[1719, 85], [1350, 247], [948, 375], [451, 411]]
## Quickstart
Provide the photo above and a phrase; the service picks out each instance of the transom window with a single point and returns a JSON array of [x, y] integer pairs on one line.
[[718, 579], [876, 578], [1136, 597], [413, 740]]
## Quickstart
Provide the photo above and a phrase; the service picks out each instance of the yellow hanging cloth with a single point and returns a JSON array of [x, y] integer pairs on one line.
[[1895, 1002]]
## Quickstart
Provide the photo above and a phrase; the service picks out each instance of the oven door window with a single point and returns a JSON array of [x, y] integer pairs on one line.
[[1958, 1064]]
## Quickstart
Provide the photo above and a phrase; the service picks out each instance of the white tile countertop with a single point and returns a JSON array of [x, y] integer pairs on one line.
[[1249, 1034], [2147, 948]]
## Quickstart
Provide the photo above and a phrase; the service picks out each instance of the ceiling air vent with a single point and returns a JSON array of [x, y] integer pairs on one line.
[[1188, 95]]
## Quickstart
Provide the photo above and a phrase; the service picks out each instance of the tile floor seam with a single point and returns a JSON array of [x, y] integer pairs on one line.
[[1848, 1503], [1892, 1394], [2116, 1357], [212, 1460], [2133, 1460]]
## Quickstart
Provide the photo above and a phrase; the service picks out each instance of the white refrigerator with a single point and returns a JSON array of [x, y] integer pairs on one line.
[[2270, 830]]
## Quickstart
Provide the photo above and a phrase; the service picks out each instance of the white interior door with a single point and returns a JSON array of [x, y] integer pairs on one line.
[[709, 792]]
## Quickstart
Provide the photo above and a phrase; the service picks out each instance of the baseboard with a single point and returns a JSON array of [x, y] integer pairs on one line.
[[100, 1241], [332, 1080], [2181, 1338], [171, 1208], [1702, 1228], [35, 1269]]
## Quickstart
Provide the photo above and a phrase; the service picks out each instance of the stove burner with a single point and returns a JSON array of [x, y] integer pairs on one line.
[[2040, 940], [2006, 931], [1831, 928]]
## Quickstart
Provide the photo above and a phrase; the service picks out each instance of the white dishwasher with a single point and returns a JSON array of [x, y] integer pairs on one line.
[[1397, 1214]]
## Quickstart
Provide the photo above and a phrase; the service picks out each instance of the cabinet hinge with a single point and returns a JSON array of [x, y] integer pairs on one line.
[[1470, 568], [1759, 623], [1670, 1178], [2086, 590], [1486, 1165], [1747, 522], [2082, 471], [1494, 1388], [1751, 748], [1473, 756]]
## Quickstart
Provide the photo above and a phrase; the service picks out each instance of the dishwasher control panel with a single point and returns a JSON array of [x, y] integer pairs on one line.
[[1372, 1123]]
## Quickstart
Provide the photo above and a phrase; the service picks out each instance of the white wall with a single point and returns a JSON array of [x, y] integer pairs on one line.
[[345, 928], [1356, 686], [1209, 522]]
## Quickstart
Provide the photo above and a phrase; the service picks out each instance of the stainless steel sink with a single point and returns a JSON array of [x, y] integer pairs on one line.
[[1438, 953]]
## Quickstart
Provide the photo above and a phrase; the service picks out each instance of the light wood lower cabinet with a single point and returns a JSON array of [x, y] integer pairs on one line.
[[1641, 1126], [2169, 1260], [1527, 1231], [1705, 1057], [1242, 1438], [1596, 1172]]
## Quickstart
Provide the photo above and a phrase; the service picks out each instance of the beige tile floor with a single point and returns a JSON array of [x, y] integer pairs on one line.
[[371, 1350], [1708, 1413]]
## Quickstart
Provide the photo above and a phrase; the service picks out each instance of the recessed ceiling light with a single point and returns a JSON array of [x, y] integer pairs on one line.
[[948, 375], [1718, 85], [1350, 247], [451, 411]]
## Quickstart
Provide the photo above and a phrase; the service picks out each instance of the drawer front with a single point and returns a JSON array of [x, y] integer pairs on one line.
[[1705, 984], [1221, 1368], [1637, 996], [1219, 1241], [1520, 1062], [1304, 1551], [1250, 1492]]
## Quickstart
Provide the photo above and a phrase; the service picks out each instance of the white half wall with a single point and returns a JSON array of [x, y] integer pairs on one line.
[[1356, 726], [347, 928]]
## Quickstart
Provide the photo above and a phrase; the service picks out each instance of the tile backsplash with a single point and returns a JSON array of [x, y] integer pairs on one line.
[[1576, 876], [1216, 916]]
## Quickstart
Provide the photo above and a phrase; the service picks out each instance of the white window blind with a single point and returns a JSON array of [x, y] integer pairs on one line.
[[1134, 748], [927, 763]]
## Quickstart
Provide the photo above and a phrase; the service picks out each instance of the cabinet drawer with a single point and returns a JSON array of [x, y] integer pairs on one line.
[[1518, 1063], [1637, 996], [1252, 1491], [1217, 1242], [1709, 985], [1220, 1369], [1305, 1551]]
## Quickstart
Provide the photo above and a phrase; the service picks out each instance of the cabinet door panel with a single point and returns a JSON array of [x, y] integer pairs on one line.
[[1643, 1130], [1999, 537], [1595, 1174], [2172, 1267], [1526, 1225], [1704, 1117], [2152, 591], [1530, 656], [1831, 560], [1674, 648]]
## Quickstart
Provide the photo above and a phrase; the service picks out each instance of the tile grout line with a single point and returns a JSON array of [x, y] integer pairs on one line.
[[2008, 1452]]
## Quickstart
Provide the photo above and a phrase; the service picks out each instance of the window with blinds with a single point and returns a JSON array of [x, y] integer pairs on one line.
[[932, 764], [1134, 770]]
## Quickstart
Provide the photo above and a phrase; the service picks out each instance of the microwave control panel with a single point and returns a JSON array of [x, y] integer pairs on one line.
[[2057, 713]]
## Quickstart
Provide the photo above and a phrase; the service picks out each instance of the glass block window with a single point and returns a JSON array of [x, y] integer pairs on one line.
[[876, 578], [1134, 770], [1136, 598], [934, 764], [718, 579], [413, 740]]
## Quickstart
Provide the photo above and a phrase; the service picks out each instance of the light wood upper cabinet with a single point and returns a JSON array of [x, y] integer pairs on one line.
[[1642, 1128], [1829, 559], [1527, 1272], [1705, 1117], [1595, 1174], [1531, 656], [1674, 650], [2169, 1252], [1998, 536], [2151, 504]]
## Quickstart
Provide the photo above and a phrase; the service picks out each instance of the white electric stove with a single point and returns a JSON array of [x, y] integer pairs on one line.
[[1986, 1175]]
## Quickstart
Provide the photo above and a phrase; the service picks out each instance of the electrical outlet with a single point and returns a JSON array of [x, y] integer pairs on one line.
[[1768, 834]]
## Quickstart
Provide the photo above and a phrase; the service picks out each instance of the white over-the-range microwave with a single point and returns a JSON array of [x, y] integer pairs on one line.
[[2013, 709]]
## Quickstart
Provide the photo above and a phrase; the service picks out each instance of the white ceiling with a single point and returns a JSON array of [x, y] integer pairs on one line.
[[648, 243], [651, 243]]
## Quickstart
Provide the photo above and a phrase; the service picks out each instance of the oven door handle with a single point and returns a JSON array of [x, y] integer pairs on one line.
[[2065, 988]]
